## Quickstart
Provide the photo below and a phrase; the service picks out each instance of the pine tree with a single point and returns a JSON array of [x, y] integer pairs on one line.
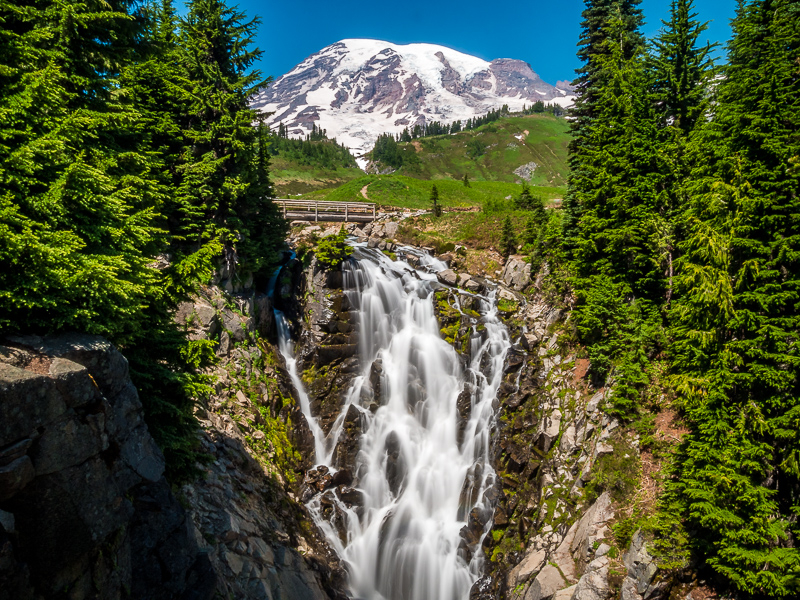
[[466, 180], [508, 241], [435, 206], [78, 199], [618, 280], [222, 187], [598, 40], [736, 321], [681, 74]]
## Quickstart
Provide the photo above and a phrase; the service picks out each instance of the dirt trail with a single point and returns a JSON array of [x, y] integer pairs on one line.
[[364, 192]]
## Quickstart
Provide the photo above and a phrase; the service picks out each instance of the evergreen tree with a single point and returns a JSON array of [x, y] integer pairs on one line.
[[508, 241], [435, 206], [608, 27], [466, 180], [614, 248], [222, 190], [681, 72], [387, 151], [736, 321], [78, 198]]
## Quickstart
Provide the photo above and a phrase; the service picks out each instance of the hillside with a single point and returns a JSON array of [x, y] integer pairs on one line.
[[493, 152], [409, 192], [299, 166], [291, 177]]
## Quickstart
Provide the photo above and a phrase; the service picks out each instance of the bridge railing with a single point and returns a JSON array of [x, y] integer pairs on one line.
[[323, 210]]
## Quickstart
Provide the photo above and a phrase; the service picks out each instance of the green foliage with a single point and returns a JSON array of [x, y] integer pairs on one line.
[[387, 152], [676, 212], [616, 472], [436, 208], [735, 319], [332, 250], [508, 240], [118, 185], [325, 154]]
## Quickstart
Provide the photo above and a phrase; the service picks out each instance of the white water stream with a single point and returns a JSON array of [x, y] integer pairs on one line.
[[418, 482]]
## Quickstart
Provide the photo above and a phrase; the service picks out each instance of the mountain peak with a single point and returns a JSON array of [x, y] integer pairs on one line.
[[357, 89]]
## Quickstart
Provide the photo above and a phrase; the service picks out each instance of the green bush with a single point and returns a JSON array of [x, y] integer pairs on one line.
[[332, 250]]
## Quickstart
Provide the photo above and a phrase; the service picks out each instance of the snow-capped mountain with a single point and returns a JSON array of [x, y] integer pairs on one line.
[[357, 89]]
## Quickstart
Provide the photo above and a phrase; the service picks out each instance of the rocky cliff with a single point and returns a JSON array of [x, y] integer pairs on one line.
[[85, 511]]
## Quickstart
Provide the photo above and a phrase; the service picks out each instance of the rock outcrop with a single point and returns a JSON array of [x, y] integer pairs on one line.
[[85, 508]]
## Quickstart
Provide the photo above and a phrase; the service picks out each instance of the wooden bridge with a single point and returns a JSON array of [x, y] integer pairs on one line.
[[320, 210]]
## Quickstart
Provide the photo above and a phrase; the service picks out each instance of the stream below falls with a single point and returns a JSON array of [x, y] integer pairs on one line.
[[423, 467]]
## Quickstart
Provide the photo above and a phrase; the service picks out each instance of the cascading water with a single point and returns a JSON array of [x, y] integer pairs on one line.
[[421, 475]]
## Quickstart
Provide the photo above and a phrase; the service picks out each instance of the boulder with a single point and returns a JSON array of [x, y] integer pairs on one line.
[[473, 286], [547, 582], [594, 583], [448, 277], [591, 528], [517, 272], [390, 229], [548, 431], [641, 566], [530, 564]]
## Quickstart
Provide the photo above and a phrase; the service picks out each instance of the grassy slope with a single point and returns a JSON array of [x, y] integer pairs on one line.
[[292, 178], [445, 156], [409, 192]]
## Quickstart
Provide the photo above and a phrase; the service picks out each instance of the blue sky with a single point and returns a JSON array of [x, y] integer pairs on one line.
[[542, 33]]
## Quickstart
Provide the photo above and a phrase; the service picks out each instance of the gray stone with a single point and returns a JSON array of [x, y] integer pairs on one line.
[[593, 585], [7, 521], [390, 229], [105, 364], [473, 286], [547, 583], [74, 382], [602, 550], [565, 594], [448, 276], [595, 401], [69, 441], [629, 591], [29, 401], [568, 440], [603, 448], [640, 564], [224, 344], [591, 528], [14, 451], [531, 564], [548, 430], [463, 278], [141, 454], [517, 272]]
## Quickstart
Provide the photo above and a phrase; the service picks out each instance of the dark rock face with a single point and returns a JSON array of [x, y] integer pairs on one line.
[[83, 501]]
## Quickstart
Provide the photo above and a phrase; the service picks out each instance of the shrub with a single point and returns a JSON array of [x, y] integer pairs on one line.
[[332, 250]]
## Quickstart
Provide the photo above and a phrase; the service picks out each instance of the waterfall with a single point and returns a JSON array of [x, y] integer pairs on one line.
[[421, 474]]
